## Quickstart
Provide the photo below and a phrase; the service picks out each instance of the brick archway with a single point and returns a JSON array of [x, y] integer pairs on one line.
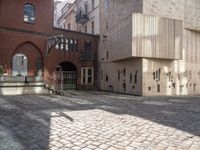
[[35, 58], [19, 63], [66, 73]]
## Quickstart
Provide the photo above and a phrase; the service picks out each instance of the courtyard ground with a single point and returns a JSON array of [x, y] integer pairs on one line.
[[99, 121]]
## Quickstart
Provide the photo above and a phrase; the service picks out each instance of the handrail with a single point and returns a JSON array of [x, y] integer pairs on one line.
[[52, 82]]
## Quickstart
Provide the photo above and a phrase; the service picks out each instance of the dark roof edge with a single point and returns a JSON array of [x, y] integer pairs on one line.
[[77, 32]]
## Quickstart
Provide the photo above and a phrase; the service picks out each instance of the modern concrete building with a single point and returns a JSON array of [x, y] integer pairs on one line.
[[150, 47]]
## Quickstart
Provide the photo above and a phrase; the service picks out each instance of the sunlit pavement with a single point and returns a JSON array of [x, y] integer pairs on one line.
[[99, 120]]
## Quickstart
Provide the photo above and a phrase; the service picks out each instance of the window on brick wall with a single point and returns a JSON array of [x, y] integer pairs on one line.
[[66, 44], [76, 45], [62, 43], [71, 45], [87, 76], [29, 13]]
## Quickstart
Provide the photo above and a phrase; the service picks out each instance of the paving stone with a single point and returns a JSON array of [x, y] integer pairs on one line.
[[99, 120]]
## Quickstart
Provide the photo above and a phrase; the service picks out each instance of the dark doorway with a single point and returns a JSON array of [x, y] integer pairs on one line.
[[67, 75]]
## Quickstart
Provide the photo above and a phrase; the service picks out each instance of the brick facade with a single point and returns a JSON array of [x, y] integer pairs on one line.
[[16, 36]]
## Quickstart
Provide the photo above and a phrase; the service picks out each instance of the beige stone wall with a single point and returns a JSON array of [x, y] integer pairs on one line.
[[185, 73], [173, 9], [123, 76], [151, 36], [156, 37], [191, 46], [192, 14], [177, 77], [116, 27], [114, 12], [126, 32]]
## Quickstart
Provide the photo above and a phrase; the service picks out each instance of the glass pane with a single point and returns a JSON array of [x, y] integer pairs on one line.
[[84, 72], [89, 80], [29, 13], [89, 72]]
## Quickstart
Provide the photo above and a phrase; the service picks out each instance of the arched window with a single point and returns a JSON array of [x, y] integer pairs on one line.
[[57, 46], [66, 44], [71, 44], [62, 44], [29, 13], [76, 45]]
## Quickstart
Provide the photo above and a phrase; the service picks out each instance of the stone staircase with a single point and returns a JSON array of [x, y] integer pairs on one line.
[[20, 85]]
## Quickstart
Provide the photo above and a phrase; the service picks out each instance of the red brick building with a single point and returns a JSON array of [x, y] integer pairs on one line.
[[31, 46]]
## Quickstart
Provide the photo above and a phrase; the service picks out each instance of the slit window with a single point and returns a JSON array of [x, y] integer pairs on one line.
[[135, 78], [158, 88], [131, 77], [118, 75]]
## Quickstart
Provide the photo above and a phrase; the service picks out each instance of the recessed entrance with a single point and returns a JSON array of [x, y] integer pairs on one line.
[[19, 67], [67, 75]]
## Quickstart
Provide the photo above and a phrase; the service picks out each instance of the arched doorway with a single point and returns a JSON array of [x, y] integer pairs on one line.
[[67, 75], [19, 65], [34, 56]]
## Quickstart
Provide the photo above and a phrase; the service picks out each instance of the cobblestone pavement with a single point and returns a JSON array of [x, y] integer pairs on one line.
[[99, 121]]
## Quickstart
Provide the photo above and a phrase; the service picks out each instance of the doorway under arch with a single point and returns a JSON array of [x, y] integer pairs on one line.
[[19, 65], [66, 73]]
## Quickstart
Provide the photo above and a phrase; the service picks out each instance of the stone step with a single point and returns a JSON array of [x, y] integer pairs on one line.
[[21, 90], [21, 84]]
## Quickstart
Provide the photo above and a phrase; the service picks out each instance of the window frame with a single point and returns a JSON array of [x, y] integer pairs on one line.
[[85, 76], [27, 16]]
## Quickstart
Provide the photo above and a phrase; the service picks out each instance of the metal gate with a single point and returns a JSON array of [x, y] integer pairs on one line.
[[67, 80], [20, 63]]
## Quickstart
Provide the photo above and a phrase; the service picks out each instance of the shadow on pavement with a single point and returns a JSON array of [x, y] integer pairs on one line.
[[25, 120]]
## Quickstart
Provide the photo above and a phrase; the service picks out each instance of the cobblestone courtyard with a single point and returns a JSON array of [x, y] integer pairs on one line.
[[99, 120]]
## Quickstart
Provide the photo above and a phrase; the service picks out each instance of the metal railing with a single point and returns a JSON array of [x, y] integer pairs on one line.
[[64, 80], [81, 17], [20, 79], [52, 83]]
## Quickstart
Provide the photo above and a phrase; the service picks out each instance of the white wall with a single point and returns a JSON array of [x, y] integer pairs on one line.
[[57, 11], [94, 16]]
